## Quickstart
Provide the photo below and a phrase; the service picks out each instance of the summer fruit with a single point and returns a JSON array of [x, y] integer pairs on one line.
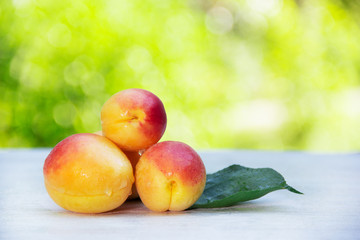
[[170, 176], [134, 119], [93, 173], [88, 173], [133, 157]]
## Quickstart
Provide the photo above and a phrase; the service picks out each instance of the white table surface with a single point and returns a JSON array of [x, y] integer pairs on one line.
[[329, 208]]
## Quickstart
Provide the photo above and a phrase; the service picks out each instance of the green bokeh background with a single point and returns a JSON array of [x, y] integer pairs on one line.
[[254, 74]]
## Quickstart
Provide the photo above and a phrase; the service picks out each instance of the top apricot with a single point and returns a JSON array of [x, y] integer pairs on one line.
[[134, 119]]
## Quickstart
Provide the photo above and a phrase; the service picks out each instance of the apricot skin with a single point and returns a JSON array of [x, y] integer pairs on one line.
[[170, 176], [134, 159], [87, 173], [134, 119]]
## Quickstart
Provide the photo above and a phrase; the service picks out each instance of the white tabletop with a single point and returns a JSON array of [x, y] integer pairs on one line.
[[329, 208]]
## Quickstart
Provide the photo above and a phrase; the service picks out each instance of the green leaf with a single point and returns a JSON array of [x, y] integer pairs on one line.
[[236, 184]]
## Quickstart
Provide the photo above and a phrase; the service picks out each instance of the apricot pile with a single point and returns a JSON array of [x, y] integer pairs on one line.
[[94, 173]]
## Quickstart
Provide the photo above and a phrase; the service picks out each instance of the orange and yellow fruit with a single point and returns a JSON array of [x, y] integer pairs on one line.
[[88, 173], [134, 119], [170, 176], [93, 173]]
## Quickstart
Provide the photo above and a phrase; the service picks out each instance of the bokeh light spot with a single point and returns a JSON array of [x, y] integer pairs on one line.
[[64, 114], [219, 20], [59, 35]]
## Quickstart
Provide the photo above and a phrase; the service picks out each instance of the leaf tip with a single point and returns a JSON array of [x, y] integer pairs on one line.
[[291, 189]]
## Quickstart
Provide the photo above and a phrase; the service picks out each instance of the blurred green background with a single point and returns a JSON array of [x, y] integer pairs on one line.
[[251, 74]]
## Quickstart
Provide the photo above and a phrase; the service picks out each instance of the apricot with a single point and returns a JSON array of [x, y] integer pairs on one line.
[[133, 157], [134, 119], [170, 176], [87, 173]]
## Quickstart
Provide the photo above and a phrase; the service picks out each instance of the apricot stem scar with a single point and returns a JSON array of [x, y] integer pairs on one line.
[[128, 119]]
